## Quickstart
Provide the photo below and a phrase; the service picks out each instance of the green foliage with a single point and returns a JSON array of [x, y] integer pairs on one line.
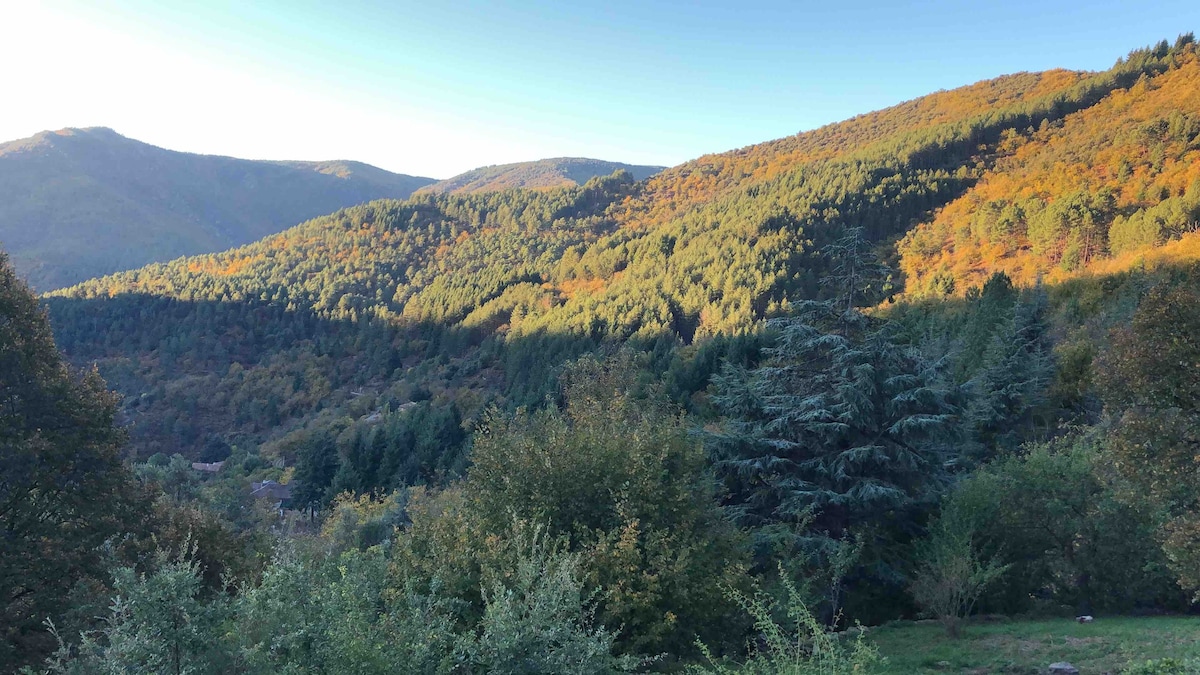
[[841, 419], [314, 614], [63, 489], [624, 481], [950, 576], [801, 645], [1151, 388], [1013, 380], [1151, 226], [361, 522], [158, 623], [1072, 539], [540, 619], [855, 275]]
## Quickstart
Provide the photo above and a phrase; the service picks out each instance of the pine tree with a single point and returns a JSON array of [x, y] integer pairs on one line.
[[842, 424], [316, 466], [157, 623], [842, 435], [1018, 367], [855, 275]]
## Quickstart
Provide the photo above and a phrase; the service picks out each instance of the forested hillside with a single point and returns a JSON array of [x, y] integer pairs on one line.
[[542, 174], [77, 203], [501, 286], [935, 359], [1110, 181]]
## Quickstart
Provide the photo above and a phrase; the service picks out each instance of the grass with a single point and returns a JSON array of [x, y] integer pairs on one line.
[[1105, 646]]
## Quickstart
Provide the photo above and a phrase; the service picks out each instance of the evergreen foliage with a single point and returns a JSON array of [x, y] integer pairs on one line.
[[677, 387], [1014, 378], [841, 421]]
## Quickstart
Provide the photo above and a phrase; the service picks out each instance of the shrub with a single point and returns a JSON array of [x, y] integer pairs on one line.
[[801, 645], [1073, 536], [540, 619], [337, 614], [950, 575], [157, 623]]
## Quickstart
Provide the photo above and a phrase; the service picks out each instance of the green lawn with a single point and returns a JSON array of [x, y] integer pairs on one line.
[[1104, 646]]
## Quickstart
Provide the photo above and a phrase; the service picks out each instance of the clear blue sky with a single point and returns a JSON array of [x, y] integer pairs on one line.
[[438, 87]]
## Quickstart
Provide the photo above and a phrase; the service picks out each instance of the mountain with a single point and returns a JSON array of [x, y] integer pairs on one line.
[[77, 203], [1093, 188], [458, 301], [540, 175]]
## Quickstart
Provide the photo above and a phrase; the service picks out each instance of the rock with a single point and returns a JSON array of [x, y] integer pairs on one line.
[[1063, 668], [1086, 618]]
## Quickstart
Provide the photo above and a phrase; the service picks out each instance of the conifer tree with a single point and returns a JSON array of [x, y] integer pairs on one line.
[[843, 424], [1011, 387], [856, 276]]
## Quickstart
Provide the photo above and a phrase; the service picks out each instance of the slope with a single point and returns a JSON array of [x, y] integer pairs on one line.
[[473, 299], [539, 175], [1116, 178], [77, 203]]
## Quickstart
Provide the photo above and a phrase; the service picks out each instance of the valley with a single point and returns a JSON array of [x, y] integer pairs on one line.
[[896, 377]]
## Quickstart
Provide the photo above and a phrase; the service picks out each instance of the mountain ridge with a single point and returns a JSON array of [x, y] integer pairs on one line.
[[477, 298], [542, 174], [79, 202]]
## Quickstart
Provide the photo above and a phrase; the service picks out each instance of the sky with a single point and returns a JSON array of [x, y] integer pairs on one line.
[[438, 87]]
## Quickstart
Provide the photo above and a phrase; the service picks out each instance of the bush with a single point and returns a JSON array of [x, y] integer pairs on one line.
[[1077, 538], [950, 575], [158, 623], [801, 646], [315, 614], [541, 620], [624, 481]]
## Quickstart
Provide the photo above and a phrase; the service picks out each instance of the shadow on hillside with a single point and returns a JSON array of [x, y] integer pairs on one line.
[[191, 371]]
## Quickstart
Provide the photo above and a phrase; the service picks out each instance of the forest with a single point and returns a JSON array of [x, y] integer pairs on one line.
[[938, 361]]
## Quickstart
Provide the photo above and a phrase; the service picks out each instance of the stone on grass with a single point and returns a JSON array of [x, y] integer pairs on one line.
[[1063, 668]]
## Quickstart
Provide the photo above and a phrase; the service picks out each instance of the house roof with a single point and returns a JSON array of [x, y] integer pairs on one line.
[[269, 489], [210, 467]]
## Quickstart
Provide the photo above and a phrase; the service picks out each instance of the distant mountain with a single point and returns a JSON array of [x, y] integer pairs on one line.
[[78, 203], [540, 175]]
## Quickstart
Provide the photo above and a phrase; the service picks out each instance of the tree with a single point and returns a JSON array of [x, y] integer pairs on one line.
[[1017, 370], [856, 275], [540, 618], [158, 623], [842, 421], [842, 432], [323, 615], [950, 575], [624, 480], [316, 467], [63, 488], [1149, 383], [1074, 532]]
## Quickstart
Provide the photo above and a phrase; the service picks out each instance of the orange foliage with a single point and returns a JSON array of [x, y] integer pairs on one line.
[[1113, 147]]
